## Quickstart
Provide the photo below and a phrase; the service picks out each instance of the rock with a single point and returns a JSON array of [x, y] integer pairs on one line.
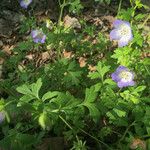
[[8, 21], [5, 28], [12, 16]]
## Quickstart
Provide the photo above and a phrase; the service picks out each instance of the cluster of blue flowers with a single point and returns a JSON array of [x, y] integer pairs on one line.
[[122, 33]]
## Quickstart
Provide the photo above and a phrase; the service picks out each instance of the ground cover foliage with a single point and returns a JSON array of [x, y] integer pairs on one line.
[[78, 83]]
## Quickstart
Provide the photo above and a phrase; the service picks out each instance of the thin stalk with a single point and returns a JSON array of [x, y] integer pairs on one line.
[[61, 11], [119, 7], [85, 133], [99, 141], [145, 21], [146, 69], [122, 138], [65, 122]]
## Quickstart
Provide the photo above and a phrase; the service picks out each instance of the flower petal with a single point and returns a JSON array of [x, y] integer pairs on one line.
[[121, 68], [132, 83], [115, 77], [117, 23], [125, 84], [114, 35], [36, 40], [34, 33], [123, 41], [43, 39], [122, 84]]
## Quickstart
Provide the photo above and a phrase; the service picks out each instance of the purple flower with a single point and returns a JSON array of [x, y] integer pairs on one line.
[[2, 117], [122, 32], [25, 3], [123, 76], [38, 36]]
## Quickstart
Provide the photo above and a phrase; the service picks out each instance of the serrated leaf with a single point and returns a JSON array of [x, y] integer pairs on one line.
[[134, 99], [102, 70], [94, 75], [94, 112], [119, 112], [90, 95], [109, 81]]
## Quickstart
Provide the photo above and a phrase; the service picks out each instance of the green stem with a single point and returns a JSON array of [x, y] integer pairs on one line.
[[65, 122], [95, 138], [119, 8], [146, 69], [122, 138], [145, 21], [84, 133], [61, 11]]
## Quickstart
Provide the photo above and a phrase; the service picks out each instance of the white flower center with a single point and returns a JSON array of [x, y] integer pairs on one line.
[[39, 34], [126, 76], [124, 30]]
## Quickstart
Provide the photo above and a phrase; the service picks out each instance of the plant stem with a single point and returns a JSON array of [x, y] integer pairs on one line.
[[145, 21], [119, 8], [126, 131], [61, 11], [65, 122], [85, 133]]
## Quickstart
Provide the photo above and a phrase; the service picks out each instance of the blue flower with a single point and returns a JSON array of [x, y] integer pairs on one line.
[[122, 32], [25, 3], [123, 77], [38, 36]]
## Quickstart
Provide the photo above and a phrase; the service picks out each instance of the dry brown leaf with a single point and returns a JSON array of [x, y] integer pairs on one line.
[[8, 49], [67, 54], [30, 56], [92, 68], [138, 143], [82, 61], [45, 56], [70, 22]]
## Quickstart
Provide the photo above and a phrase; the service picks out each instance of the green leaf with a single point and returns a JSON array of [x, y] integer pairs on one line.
[[123, 56], [24, 89], [94, 75], [94, 112], [90, 95], [140, 89], [35, 87], [49, 95], [102, 70], [26, 98], [119, 112], [134, 99], [109, 81], [43, 120]]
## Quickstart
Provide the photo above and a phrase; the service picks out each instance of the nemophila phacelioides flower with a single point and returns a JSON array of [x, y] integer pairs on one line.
[[123, 77], [122, 32], [38, 36], [25, 3]]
